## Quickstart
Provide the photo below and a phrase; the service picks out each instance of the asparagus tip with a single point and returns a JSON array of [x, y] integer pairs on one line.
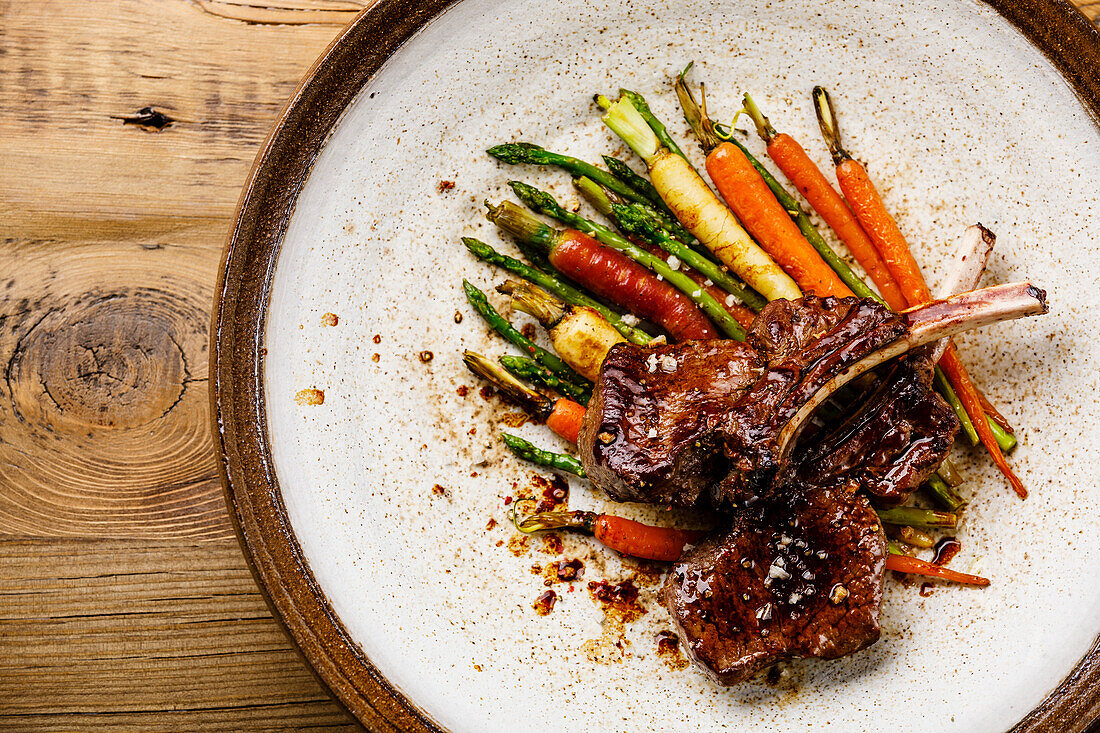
[[515, 153]]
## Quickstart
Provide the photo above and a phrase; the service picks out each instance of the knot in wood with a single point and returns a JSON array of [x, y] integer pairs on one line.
[[106, 360]]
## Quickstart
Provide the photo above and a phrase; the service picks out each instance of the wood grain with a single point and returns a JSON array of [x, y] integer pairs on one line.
[[125, 603]]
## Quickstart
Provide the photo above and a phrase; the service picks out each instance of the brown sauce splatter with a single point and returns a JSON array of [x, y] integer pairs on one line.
[[445, 186], [375, 358], [439, 490], [561, 571], [486, 393], [519, 544], [425, 356], [529, 331], [462, 391], [566, 570], [645, 573], [458, 317], [545, 602], [668, 649], [330, 319], [550, 493], [945, 550], [514, 419], [618, 598], [926, 589], [552, 544], [490, 524], [311, 396], [377, 338]]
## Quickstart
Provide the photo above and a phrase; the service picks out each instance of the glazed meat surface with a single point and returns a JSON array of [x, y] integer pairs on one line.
[[802, 576], [891, 443], [798, 579], [649, 432], [670, 424]]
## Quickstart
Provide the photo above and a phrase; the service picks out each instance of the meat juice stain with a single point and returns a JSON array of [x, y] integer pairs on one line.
[[561, 571], [552, 544], [514, 419], [544, 604], [668, 649], [518, 544], [945, 550], [619, 599], [550, 493]]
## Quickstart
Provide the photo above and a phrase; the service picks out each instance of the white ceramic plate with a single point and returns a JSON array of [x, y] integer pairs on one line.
[[959, 119]]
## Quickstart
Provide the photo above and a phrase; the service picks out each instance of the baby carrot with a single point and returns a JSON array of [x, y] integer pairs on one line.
[[626, 536], [607, 273], [916, 566], [562, 415], [792, 159], [565, 419], [697, 207], [769, 223]]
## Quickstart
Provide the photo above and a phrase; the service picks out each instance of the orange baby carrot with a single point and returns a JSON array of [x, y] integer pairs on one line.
[[769, 223], [916, 566], [565, 419], [811, 183]]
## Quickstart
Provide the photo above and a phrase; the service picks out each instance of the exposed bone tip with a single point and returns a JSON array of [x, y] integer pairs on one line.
[[987, 235], [1040, 295]]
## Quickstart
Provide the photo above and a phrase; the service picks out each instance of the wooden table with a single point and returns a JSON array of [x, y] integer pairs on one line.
[[126, 603]]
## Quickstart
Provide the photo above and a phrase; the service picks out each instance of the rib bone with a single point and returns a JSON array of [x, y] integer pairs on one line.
[[971, 256]]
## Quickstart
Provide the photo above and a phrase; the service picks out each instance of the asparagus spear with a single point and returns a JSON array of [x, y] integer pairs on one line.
[[532, 371], [501, 325], [916, 517], [944, 494], [529, 452], [544, 203], [634, 220], [602, 199], [517, 153], [555, 285], [624, 173]]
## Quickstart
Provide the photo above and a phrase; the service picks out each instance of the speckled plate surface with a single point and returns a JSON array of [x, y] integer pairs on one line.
[[375, 517]]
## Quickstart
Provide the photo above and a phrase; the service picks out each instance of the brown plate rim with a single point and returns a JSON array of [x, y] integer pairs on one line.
[[252, 493]]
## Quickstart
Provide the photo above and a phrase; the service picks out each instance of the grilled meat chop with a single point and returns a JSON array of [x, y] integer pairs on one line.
[[800, 571]]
